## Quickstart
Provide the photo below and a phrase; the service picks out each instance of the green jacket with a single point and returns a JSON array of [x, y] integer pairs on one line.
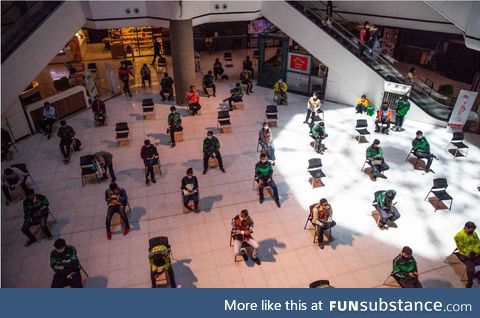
[[211, 145], [403, 106], [208, 79], [35, 208], [382, 200], [67, 259], [237, 92], [263, 170], [467, 243], [402, 266], [375, 152], [421, 144], [174, 119], [317, 131]]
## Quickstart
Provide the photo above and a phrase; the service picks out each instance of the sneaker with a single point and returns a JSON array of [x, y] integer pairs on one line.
[[153, 180], [257, 260], [147, 182], [126, 230], [172, 145], [114, 179], [222, 170], [273, 162], [305, 122], [278, 203], [109, 235], [30, 242], [213, 95], [244, 254], [383, 176], [260, 200], [204, 172], [321, 245]]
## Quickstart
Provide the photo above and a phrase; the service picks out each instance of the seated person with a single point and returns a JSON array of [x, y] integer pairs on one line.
[[64, 261], [376, 160], [49, 116], [211, 147], [35, 211], [421, 149], [265, 137], [117, 200], [160, 261], [263, 177], [468, 246], [11, 179], [245, 80], [99, 111], [322, 219], [166, 85], [174, 124], [405, 269], [149, 155], [362, 104], [384, 115], [6, 143], [146, 75], [318, 133], [280, 92], [236, 95], [384, 205], [190, 191], [193, 100], [217, 69], [242, 229], [248, 65], [207, 82]]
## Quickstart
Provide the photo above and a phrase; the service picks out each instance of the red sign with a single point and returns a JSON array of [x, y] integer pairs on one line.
[[298, 62]]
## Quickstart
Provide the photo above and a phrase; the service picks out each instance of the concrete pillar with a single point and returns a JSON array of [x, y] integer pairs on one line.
[[181, 39]]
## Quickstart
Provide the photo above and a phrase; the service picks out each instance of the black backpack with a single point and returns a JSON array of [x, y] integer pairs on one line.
[[76, 144]]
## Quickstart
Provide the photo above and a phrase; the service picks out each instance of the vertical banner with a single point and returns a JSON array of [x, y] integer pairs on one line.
[[299, 62], [462, 108]]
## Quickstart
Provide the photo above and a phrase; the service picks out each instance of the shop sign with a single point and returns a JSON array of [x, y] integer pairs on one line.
[[462, 108], [299, 62]]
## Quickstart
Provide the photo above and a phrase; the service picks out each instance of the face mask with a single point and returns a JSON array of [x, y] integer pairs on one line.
[[263, 160], [61, 250], [189, 176], [265, 127], [209, 137], [172, 111], [419, 137]]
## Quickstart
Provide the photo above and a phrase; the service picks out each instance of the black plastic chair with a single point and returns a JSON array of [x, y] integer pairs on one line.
[[320, 284], [223, 120], [315, 170], [148, 107], [457, 142], [438, 189], [243, 245], [271, 117], [412, 152], [88, 168], [122, 132], [361, 129]]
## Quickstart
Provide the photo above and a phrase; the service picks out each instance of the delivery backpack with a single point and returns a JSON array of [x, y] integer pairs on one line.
[[76, 144], [160, 256]]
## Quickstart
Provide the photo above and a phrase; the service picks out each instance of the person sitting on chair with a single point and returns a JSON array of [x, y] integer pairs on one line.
[[99, 111], [322, 219], [146, 75], [211, 147], [35, 211], [242, 229], [149, 155], [174, 124], [265, 137], [217, 69], [383, 117], [468, 246], [193, 100], [280, 92], [236, 95], [208, 82], [376, 160], [166, 85], [106, 161], [66, 134], [190, 190], [385, 207], [263, 177], [245, 80], [318, 133], [248, 65], [117, 200], [11, 179], [313, 105], [49, 116], [421, 149], [64, 261], [405, 269], [160, 262], [6, 143], [362, 104]]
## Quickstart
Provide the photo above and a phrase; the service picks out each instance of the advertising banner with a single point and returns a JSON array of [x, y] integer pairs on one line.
[[462, 109], [299, 63]]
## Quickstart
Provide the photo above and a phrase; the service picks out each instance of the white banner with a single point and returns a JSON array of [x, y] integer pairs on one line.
[[462, 108]]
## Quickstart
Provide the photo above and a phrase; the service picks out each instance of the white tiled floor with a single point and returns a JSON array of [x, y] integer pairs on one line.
[[359, 256]]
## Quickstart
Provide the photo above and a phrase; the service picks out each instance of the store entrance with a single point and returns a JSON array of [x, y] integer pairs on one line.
[[134, 41], [272, 62]]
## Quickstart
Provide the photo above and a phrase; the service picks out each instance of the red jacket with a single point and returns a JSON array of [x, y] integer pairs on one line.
[[193, 97], [124, 73]]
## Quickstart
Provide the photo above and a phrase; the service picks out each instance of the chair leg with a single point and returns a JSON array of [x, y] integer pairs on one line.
[[363, 166], [450, 208], [427, 195], [53, 217], [306, 223], [83, 182], [408, 156]]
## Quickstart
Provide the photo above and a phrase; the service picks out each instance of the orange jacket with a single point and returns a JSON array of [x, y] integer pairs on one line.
[[193, 97], [379, 115]]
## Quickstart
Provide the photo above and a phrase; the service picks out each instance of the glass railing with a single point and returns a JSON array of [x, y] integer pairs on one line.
[[380, 64], [29, 19]]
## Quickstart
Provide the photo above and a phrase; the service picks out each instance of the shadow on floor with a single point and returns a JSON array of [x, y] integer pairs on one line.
[[436, 283], [163, 139], [206, 203], [137, 116], [135, 216], [184, 276], [95, 282], [267, 250], [109, 143]]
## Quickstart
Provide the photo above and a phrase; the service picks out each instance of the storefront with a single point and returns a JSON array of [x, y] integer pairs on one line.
[[138, 41]]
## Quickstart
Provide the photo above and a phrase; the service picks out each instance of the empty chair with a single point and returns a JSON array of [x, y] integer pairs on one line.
[[271, 115], [361, 129], [320, 284], [88, 168], [457, 142], [227, 57], [122, 132], [439, 191], [92, 67], [315, 171], [148, 108], [223, 122]]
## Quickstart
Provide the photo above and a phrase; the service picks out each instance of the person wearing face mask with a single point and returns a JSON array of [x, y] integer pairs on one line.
[[242, 229], [468, 246], [384, 116], [421, 149], [263, 177], [318, 133], [211, 147], [403, 106], [174, 124], [384, 205], [190, 190], [280, 92], [208, 82], [150, 156], [64, 261], [35, 211], [265, 138], [313, 105], [376, 160], [193, 100], [405, 269]]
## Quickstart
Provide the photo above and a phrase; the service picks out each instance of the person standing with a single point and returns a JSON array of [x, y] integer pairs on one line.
[[117, 201], [265, 138], [156, 51], [106, 160], [403, 106], [211, 147], [166, 85], [35, 211], [124, 74], [66, 134], [146, 76], [174, 124], [99, 111], [468, 246], [363, 37], [405, 269], [242, 229], [313, 105], [248, 65], [149, 154], [64, 261], [49, 116]]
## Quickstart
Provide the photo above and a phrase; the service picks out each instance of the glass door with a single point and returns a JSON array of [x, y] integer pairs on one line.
[[272, 58]]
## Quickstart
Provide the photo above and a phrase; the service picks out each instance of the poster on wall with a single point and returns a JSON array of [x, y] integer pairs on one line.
[[299, 62], [462, 108]]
